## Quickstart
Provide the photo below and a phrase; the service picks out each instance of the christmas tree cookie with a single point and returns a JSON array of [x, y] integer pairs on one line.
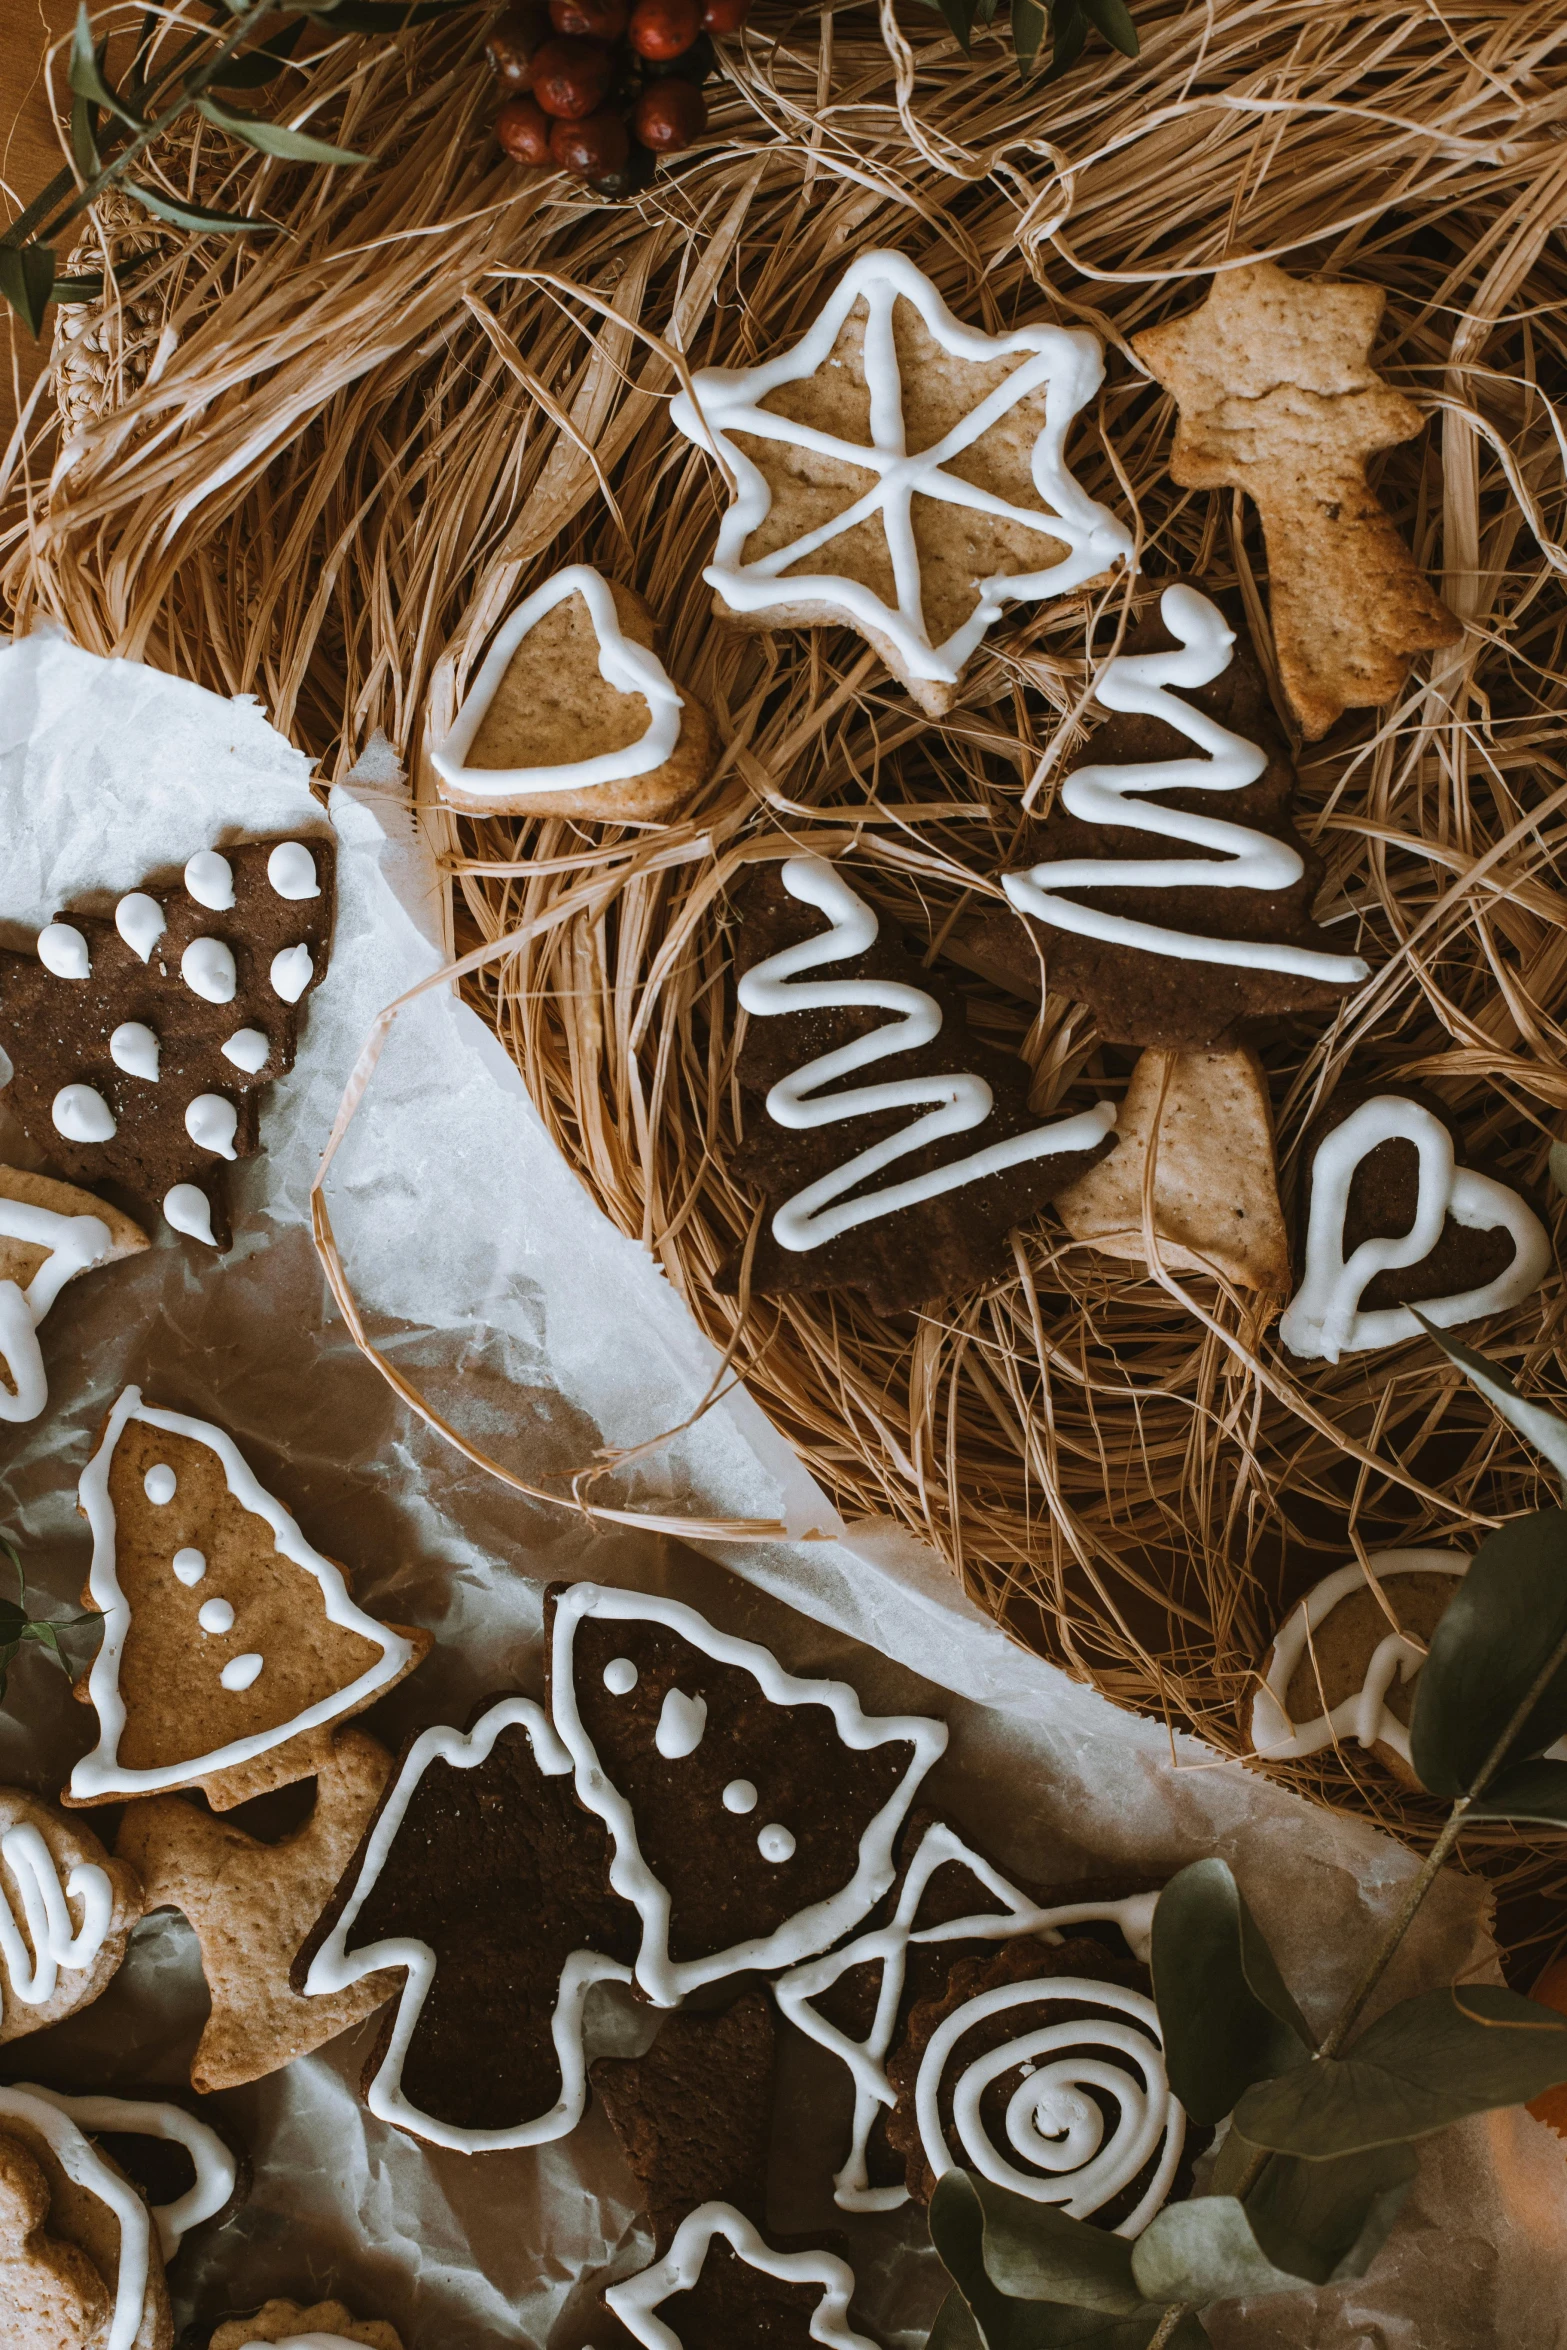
[[230, 1647], [141, 1041]]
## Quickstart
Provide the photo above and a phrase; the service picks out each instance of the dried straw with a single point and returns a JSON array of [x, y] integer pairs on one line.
[[366, 436]]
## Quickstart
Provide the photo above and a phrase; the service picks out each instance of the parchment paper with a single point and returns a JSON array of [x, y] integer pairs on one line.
[[483, 1268]]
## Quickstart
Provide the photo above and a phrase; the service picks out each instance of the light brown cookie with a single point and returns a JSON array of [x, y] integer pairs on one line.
[[21, 1260], [573, 714], [1278, 397], [51, 2296], [1216, 1197], [100, 2213], [895, 473], [231, 1647], [252, 1904], [50, 1233], [66, 1911], [283, 2321]]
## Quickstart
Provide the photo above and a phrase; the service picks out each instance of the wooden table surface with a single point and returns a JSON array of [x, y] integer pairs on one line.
[[29, 155]]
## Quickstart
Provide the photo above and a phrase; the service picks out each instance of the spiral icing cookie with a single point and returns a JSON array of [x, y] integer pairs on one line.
[[288, 2325], [66, 1912], [141, 1040]]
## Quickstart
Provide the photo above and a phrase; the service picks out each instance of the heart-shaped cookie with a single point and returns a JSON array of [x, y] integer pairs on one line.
[[1430, 1233]]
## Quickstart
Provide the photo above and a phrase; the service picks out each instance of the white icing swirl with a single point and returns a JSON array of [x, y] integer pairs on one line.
[[210, 1121], [139, 921], [210, 880], [291, 972], [82, 1115], [189, 1210], [134, 1048], [291, 871], [33, 1973], [63, 950], [207, 968]]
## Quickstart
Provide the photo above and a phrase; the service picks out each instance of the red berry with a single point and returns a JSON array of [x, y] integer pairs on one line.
[[523, 128], [513, 39], [570, 76], [724, 16], [669, 114], [598, 20], [664, 28], [593, 147]]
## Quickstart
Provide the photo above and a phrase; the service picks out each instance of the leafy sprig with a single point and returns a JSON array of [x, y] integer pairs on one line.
[[1317, 2152], [1067, 23], [18, 1629]]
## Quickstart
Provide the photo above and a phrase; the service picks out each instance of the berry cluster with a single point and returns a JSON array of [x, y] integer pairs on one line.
[[601, 88]]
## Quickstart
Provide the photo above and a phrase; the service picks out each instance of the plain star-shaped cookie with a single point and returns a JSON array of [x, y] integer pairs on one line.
[[1278, 397]]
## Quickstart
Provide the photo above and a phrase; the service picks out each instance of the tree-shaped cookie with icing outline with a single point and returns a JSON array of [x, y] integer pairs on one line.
[[902, 474], [231, 1647], [66, 1913]]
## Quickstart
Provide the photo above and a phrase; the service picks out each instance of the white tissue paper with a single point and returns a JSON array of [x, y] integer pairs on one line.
[[487, 1276]]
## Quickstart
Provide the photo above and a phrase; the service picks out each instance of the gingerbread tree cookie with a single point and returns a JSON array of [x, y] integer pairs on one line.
[[902, 474], [1278, 397], [252, 1904], [231, 1647], [141, 1042], [49, 1233], [66, 1912]]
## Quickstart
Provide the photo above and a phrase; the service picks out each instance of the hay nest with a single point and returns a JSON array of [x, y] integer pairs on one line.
[[447, 378]]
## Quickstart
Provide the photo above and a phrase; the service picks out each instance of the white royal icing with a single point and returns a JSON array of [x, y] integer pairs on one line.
[[210, 880], [101, 1773], [160, 1484], [630, 668], [73, 1244], [247, 1048], [138, 2117], [189, 1210], [291, 972], [81, 1114], [961, 1101], [335, 1967], [1323, 1319], [51, 2116], [775, 1843], [139, 921], [887, 1947], [725, 403], [63, 950], [207, 968], [134, 1048], [620, 1676], [665, 1979], [1239, 857], [1051, 2120], [210, 1121], [291, 871], [215, 1615], [636, 2300], [33, 1974], [189, 1565], [680, 1725], [740, 1796], [241, 1671]]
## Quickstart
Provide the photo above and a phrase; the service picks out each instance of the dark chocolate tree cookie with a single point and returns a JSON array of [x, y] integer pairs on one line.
[[722, 2286], [694, 2115], [141, 1041]]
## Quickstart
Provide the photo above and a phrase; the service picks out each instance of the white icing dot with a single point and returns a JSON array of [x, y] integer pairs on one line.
[[775, 1843], [210, 880], [134, 1048], [240, 1671], [292, 972], [7, 1068], [210, 1121], [291, 869], [620, 1676], [139, 921], [215, 1615], [188, 1209], [740, 1796], [63, 950], [680, 1725], [160, 1483], [247, 1048], [189, 1566], [207, 968], [82, 1115]]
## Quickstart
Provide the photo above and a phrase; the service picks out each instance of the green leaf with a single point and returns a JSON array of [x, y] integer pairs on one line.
[[27, 281], [954, 2328], [1029, 26], [958, 19], [84, 138], [262, 64], [1429, 2061], [1546, 1430], [1030, 2278], [78, 289], [13, 1620], [7, 1660], [1498, 1632], [1557, 1162], [1068, 37], [1035, 2252], [1326, 2221], [86, 73], [274, 138], [1525, 1791], [1224, 2009], [1114, 19], [1205, 2251], [192, 216]]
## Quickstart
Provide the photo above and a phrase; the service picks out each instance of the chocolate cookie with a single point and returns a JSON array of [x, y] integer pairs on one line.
[[1166, 958], [722, 2286], [141, 1043], [694, 2115], [901, 1180]]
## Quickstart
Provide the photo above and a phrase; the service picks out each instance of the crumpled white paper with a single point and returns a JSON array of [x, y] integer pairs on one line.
[[485, 1272]]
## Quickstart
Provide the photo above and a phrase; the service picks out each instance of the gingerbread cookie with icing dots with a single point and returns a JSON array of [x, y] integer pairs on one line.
[[1389, 1220], [231, 1648], [902, 474], [66, 1913], [906, 1184], [325, 2325], [573, 714], [141, 1042], [49, 1234]]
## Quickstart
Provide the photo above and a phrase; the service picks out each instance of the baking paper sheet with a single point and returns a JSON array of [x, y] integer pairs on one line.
[[486, 1273]]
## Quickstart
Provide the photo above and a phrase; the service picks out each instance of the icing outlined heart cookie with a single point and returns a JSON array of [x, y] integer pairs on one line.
[[49, 1234], [902, 474], [573, 714], [1371, 1227]]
